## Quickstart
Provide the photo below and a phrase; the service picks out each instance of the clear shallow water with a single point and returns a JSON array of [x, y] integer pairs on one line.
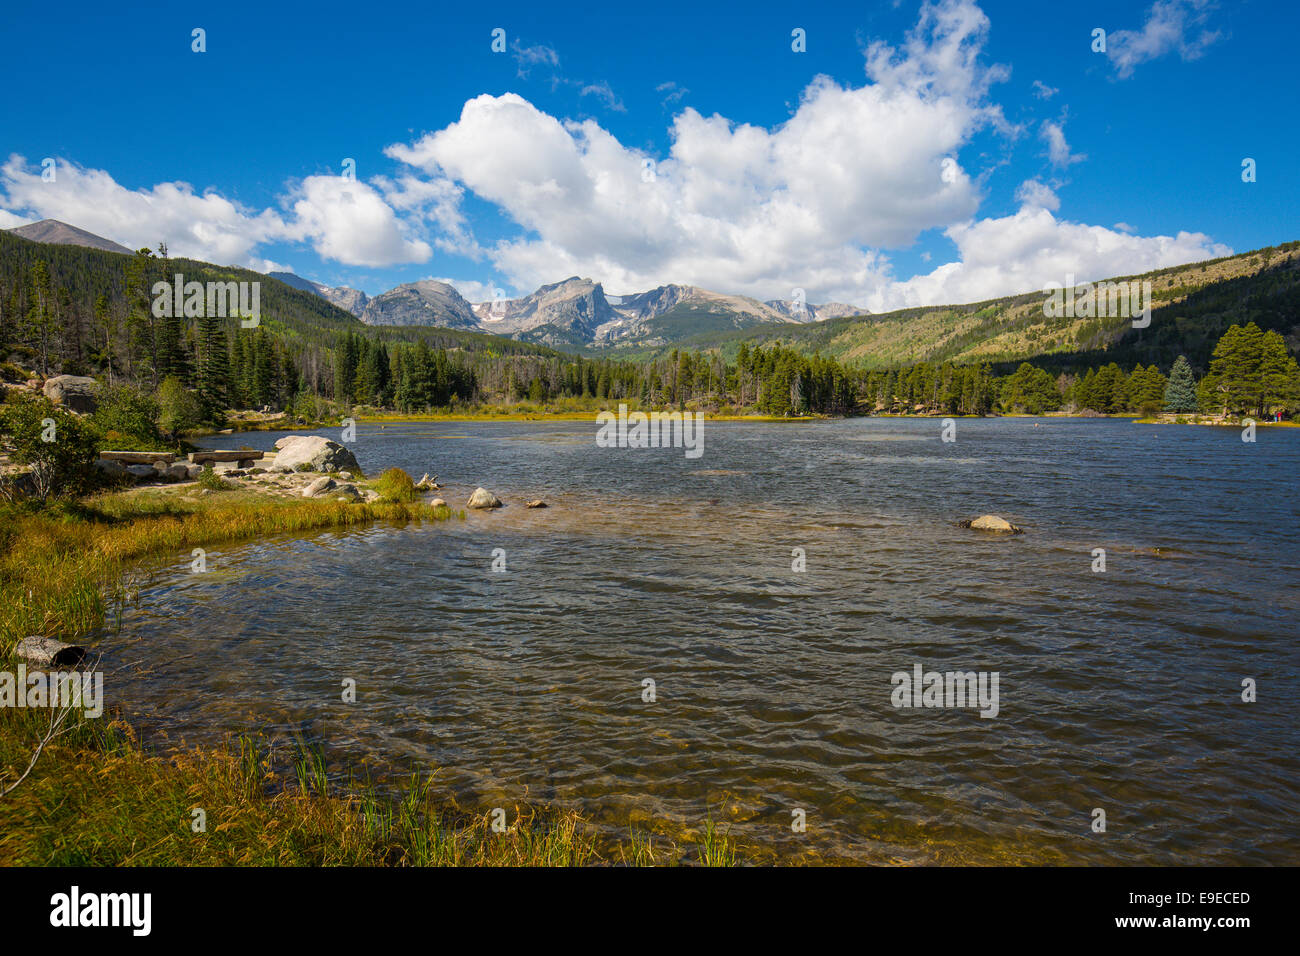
[[1117, 690]]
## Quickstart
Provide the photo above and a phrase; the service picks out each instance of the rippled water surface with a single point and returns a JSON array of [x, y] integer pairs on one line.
[[1119, 690]]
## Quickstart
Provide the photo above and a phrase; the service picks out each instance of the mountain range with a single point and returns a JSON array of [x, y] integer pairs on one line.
[[573, 312], [1192, 305]]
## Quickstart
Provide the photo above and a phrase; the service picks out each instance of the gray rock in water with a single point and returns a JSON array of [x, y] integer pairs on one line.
[[437, 503], [316, 452], [49, 652], [77, 392], [482, 498], [992, 523]]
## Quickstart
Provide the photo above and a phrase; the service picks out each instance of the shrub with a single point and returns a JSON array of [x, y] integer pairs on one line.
[[210, 480], [58, 446], [129, 417], [179, 409], [395, 485]]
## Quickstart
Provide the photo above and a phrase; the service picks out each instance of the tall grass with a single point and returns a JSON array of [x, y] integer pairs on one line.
[[395, 485], [716, 849], [63, 568]]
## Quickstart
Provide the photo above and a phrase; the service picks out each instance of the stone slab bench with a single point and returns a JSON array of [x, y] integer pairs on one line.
[[203, 457], [137, 457]]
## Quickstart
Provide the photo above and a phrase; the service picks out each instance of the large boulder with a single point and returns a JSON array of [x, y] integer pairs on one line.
[[77, 392], [482, 498], [316, 452], [992, 523]]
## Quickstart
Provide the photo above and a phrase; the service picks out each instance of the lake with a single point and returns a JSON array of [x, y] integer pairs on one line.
[[1119, 690]]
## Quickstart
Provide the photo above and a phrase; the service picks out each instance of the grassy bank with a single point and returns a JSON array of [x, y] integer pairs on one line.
[[97, 797]]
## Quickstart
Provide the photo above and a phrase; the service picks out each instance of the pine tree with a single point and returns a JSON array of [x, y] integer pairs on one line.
[[1278, 374], [1180, 393], [40, 315], [213, 377]]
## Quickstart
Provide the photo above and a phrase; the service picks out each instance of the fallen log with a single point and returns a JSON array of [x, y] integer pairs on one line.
[[137, 457], [201, 457], [49, 652]]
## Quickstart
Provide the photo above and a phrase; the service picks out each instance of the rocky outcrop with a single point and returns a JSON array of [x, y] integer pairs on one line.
[[992, 523], [316, 453], [427, 302], [77, 392], [814, 313], [349, 300], [482, 498], [563, 312]]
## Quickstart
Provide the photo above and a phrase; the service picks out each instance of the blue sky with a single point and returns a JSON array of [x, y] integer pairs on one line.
[[774, 169]]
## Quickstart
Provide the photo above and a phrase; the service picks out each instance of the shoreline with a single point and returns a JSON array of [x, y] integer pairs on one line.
[[97, 796], [396, 418]]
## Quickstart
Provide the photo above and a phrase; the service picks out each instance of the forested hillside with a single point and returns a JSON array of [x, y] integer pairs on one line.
[[1193, 305]]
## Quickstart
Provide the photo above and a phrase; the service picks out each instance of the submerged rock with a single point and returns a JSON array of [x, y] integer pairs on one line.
[[992, 523], [538, 503], [482, 498]]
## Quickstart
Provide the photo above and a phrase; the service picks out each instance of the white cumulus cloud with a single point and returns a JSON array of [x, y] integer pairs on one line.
[[343, 220], [349, 221], [1027, 250], [736, 206]]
